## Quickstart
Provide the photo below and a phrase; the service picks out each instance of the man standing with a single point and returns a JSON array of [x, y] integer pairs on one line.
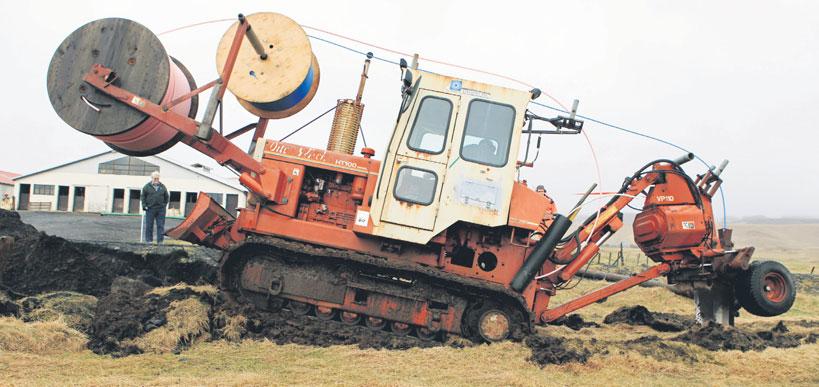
[[154, 201]]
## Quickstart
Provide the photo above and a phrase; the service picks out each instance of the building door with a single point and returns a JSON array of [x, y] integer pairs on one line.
[[174, 203], [25, 195], [79, 199], [190, 202], [134, 201], [62, 198], [119, 201], [232, 203]]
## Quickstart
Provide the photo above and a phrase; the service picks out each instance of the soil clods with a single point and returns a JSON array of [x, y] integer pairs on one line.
[[715, 337], [555, 350], [639, 315]]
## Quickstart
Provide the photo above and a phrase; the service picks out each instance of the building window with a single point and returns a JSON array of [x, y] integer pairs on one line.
[[217, 197], [128, 165], [42, 189], [174, 200], [415, 185], [488, 133], [431, 125]]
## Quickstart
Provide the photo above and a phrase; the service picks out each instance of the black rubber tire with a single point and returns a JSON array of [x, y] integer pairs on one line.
[[751, 293]]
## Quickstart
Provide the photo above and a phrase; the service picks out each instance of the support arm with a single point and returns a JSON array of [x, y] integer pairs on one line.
[[605, 292]]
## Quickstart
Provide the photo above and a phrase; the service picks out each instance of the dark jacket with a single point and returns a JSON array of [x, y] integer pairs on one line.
[[154, 198]]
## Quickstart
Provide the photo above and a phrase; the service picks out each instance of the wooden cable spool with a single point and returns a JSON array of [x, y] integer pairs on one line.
[[142, 67], [281, 84]]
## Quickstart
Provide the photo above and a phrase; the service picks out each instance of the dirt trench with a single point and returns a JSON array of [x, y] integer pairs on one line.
[[715, 337], [711, 336], [574, 322], [639, 315], [33, 262], [138, 308]]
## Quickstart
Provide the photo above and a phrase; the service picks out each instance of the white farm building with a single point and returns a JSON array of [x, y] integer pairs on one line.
[[111, 182]]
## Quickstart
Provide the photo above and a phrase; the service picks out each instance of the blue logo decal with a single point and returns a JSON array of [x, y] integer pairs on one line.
[[455, 85]]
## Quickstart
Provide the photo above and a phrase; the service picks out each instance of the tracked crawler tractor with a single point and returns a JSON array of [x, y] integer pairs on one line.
[[439, 237]]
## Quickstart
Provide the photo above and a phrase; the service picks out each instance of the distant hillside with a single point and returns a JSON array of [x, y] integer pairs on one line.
[[766, 233], [761, 219]]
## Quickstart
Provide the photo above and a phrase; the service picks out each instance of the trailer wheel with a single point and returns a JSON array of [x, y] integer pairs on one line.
[[766, 289]]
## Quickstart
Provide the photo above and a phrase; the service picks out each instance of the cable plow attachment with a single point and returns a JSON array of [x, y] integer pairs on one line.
[[676, 229]]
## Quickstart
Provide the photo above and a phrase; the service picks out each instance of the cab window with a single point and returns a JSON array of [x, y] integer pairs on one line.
[[415, 185], [488, 133], [431, 124]]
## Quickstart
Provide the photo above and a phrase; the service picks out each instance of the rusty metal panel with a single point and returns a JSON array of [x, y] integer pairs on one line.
[[264, 277], [406, 212]]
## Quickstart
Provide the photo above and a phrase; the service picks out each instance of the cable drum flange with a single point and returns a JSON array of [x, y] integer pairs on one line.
[[281, 84], [142, 66]]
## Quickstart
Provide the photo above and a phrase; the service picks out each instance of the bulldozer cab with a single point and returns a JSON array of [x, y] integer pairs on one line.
[[451, 158]]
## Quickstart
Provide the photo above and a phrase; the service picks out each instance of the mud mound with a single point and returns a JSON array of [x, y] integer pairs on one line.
[[75, 309], [639, 315], [232, 321], [11, 225], [133, 319], [716, 337], [806, 323], [574, 322], [555, 350], [8, 307], [37, 263], [130, 312]]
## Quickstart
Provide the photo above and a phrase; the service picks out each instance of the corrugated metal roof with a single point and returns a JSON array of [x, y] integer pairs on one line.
[[6, 177]]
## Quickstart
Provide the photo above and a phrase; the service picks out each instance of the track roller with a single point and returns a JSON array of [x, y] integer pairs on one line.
[[491, 322], [375, 323], [326, 313], [300, 308], [400, 328], [426, 334], [494, 325], [350, 318]]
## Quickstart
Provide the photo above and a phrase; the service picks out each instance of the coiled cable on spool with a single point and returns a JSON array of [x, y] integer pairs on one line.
[[148, 72], [280, 84]]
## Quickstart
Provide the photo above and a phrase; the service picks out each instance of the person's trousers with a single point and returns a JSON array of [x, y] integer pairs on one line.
[[154, 215]]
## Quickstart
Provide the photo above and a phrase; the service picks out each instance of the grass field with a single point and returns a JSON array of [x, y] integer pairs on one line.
[[53, 354], [50, 355], [260, 362]]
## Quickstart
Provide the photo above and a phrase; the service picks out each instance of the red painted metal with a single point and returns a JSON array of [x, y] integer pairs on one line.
[[231, 58], [153, 133], [605, 292], [314, 195], [296, 211], [185, 97], [776, 288], [208, 224]]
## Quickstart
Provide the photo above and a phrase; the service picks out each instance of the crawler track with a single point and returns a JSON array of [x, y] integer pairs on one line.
[[355, 288]]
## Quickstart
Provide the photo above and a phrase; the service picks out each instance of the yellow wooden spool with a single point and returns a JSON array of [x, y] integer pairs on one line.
[[280, 85]]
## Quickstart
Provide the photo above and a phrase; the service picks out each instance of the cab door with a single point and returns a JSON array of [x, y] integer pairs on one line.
[[419, 167]]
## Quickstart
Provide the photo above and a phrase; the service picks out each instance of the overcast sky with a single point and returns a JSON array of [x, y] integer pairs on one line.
[[726, 79]]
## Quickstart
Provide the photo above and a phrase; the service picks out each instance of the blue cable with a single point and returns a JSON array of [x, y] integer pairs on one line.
[[351, 49], [707, 165]]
